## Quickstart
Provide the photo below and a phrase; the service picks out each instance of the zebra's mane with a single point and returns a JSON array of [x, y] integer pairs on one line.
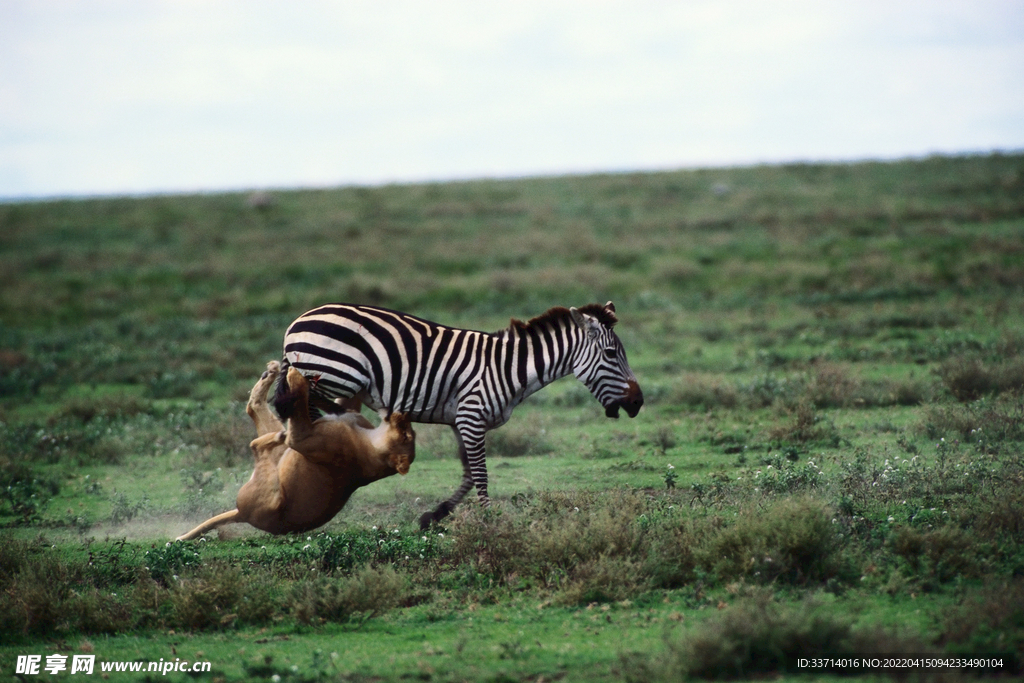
[[599, 311]]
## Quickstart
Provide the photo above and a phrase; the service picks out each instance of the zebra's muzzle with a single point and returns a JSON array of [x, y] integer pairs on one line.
[[631, 402]]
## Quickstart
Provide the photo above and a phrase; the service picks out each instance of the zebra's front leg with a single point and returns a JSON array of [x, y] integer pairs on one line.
[[470, 439]]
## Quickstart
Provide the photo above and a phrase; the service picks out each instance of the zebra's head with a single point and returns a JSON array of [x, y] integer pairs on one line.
[[600, 362]]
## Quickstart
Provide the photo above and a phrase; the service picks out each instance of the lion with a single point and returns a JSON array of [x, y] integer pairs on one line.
[[306, 473]]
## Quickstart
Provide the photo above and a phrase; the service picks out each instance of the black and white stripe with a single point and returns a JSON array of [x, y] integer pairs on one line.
[[467, 379]]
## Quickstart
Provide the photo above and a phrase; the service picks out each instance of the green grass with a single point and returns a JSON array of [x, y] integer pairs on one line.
[[832, 359]]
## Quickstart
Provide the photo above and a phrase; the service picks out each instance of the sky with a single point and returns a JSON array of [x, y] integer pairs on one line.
[[145, 96]]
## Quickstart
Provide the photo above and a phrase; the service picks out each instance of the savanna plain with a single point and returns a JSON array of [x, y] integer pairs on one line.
[[828, 461]]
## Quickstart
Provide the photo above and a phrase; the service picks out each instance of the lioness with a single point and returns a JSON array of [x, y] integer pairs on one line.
[[304, 475]]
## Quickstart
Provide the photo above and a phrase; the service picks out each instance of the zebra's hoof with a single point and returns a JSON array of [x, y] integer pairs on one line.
[[429, 518], [426, 519]]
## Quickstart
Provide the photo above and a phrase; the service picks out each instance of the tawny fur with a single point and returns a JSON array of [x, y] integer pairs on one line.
[[305, 475]]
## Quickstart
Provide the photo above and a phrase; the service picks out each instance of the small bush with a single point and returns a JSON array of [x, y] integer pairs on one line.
[[993, 421], [518, 439], [124, 510], [489, 541], [367, 593], [968, 378], [607, 578], [163, 563], [830, 386], [703, 392], [792, 541], [938, 555], [23, 494], [672, 554], [345, 551], [766, 390], [807, 426], [909, 392], [40, 593], [207, 598], [989, 620], [571, 543], [756, 638], [66, 440], [999, 513]]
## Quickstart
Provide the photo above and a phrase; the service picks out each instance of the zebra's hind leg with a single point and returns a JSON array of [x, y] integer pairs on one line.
[[445, 508], [469, 444]]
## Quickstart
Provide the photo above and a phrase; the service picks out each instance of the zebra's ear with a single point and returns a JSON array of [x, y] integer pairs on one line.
[[585, 323]]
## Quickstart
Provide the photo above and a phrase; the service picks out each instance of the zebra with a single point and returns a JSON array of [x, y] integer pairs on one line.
[[470, 380]]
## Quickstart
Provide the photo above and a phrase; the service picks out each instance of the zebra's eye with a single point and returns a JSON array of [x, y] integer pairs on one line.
[[609, 353]]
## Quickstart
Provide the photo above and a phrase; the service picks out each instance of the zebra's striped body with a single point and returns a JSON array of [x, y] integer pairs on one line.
[[467, 379]]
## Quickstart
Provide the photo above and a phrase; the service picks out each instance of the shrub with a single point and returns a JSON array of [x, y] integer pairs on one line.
[[830, 386], [206, 598], [606, 578], [518, 439], [672, 551], [792, 541], [118, 405], [806, 427], [22, 493], [938, 555], [765, 390], [756, 637], [992, 421], [489, 541], [698, 391], [174, 384], [999, 513], [124, 510], [67, 440], [348, 550], [585, 526], [39, 594], [163, 563], [367, 593], [989, 620], [583, 545], [968, 378]]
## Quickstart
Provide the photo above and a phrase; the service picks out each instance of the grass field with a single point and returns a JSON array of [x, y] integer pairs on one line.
[[829, 460]]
